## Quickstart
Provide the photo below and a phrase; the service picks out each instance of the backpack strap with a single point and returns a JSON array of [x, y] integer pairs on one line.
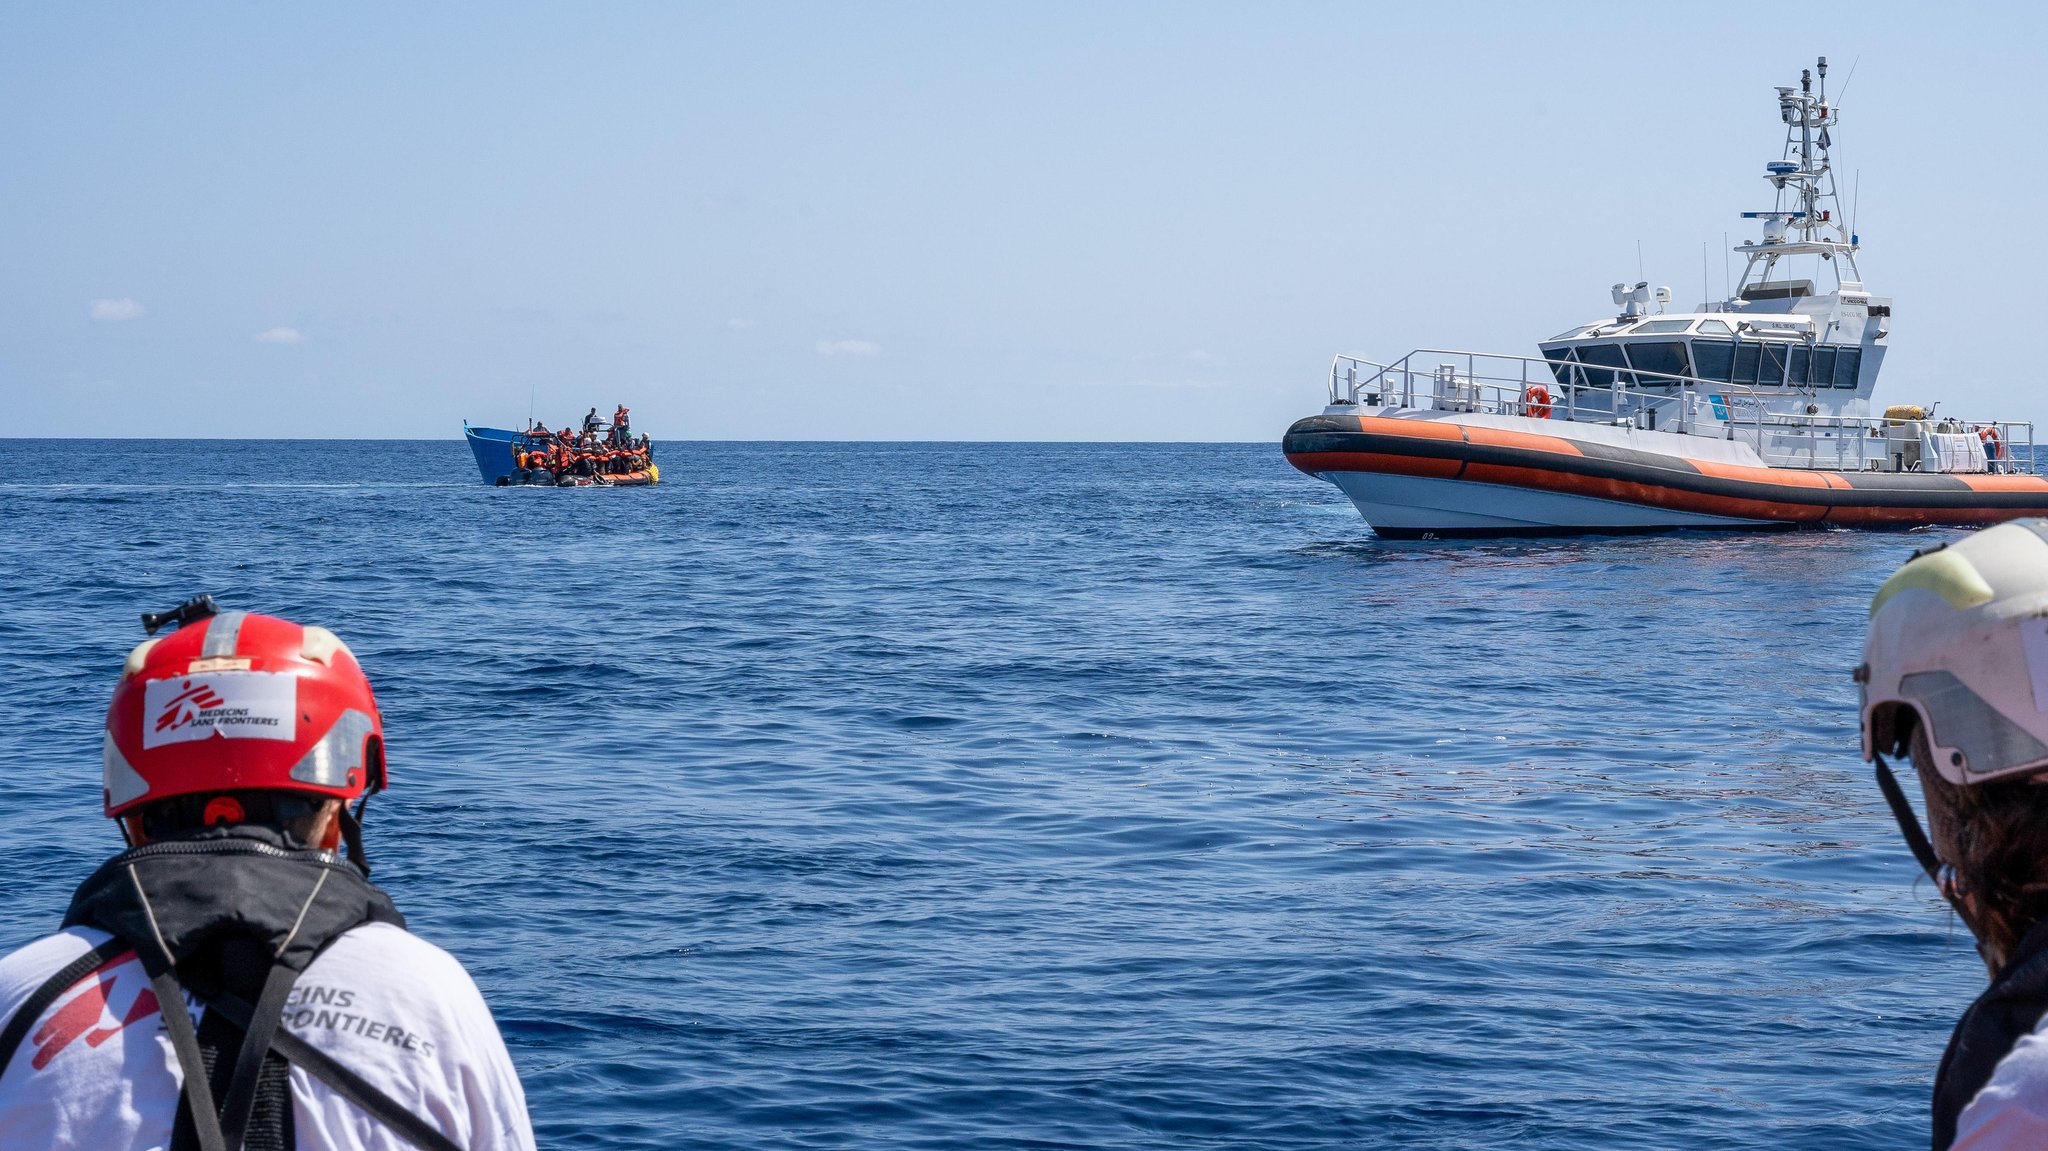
[[170, 998], [342, 1081], [257, 1036], [55, 986]]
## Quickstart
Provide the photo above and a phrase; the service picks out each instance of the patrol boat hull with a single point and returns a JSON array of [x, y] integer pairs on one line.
[[1438, 475]]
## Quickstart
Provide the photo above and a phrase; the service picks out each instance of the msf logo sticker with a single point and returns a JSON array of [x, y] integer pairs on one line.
[[184, 708], [228, 704]]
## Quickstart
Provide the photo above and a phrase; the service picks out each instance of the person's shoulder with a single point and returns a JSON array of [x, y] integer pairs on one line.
[[2011, 1111], [384, 954], [25, 968], [389, 943]]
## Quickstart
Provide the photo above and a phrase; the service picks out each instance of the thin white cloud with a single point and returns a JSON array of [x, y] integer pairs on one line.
[[849, 348], [279, 336], [113, 311], [741, 323]]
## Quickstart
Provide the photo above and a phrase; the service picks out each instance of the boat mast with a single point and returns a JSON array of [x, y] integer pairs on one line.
[[1807, 118]]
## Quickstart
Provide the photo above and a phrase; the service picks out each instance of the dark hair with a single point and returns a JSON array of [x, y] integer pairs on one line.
[[1997, 833], [181, 816]]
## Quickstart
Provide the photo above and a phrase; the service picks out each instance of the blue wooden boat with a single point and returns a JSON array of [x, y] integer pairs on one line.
[[493, 449], [496, 451]]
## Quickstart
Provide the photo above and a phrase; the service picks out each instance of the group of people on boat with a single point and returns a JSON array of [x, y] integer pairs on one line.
[[599, 449]]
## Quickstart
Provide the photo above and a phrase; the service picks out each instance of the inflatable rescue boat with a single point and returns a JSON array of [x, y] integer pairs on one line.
[[1751, 412]]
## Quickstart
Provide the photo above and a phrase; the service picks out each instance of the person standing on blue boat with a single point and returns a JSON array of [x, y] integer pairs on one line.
[[234, 979], [1955, 675]]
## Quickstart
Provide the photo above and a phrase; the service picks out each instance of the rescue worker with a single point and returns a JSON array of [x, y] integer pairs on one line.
[[232, 751], [622, 429], [1955, 675]]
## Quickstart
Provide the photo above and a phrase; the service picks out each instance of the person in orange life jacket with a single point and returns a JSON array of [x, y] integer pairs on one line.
[[233, 979], [1955, 675]]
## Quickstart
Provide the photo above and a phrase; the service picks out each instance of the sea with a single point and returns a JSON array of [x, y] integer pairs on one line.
[[954, 795]]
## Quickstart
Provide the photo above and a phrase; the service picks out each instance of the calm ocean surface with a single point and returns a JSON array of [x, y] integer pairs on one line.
[[1051, 796]]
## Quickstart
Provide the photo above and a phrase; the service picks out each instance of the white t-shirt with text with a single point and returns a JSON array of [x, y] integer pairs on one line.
[[97, 1070]]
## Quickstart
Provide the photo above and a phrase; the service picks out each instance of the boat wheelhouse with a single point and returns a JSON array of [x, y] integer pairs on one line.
[[1753, 411]]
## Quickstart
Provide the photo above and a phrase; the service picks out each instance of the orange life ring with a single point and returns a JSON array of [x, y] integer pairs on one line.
[[1994, 443], [1536, 402]]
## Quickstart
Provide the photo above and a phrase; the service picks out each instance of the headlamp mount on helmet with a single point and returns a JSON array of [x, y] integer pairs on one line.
[[193, 610]]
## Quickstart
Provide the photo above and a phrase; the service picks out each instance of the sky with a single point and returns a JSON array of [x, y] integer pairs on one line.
[[948, 221]]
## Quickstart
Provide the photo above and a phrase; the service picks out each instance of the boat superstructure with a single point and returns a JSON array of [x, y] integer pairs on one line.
[[1753, 411]]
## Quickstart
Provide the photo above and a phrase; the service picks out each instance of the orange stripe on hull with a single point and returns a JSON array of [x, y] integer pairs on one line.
[[1648, 495], [2006, 484], [1315, 463], [1433, 442], [1783, 477], [1527, 441], [1413, 429]]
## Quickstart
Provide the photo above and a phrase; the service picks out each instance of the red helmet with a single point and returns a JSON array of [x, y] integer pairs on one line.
[[241, 701]]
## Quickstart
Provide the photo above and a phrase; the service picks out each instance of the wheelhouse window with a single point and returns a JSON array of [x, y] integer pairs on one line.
[[1574, 334], [1666, 357], [1663, 327], [1848, 362], [1561, 365], [1601, 356], [1771, 367], [1822, 374], [1715, 328], [1747, 356], [1713, 359]]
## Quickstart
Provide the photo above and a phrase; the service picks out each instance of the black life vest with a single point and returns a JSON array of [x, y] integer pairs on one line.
[[233, 915], [2008, 1010]]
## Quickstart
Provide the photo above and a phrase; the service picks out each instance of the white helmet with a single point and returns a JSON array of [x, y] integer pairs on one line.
[[1959, 636]]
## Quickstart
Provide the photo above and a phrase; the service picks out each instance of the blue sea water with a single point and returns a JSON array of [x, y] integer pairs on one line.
[[1052, 796]]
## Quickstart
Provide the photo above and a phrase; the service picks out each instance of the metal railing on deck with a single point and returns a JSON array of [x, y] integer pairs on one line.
[[1500, 384]]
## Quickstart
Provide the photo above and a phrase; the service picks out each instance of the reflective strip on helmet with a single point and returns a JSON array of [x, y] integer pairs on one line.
[[221, 633], [1947, 573], [137, 656], [319, 645], [339, 752], [124, 784], [1990, 743]]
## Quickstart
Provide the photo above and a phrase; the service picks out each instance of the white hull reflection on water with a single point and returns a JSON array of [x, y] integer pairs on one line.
[[1057, 795]]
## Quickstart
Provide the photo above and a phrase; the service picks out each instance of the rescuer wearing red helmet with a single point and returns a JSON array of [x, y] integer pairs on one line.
[[232, 751]]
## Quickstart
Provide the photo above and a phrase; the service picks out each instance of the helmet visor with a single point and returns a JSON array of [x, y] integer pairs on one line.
[[1983, 742]]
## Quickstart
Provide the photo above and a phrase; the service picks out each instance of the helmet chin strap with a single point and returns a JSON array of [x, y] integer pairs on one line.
[[1942, 874], [352, 833]]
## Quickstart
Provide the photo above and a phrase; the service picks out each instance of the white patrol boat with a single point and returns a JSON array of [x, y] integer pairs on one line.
[[1750, 412]]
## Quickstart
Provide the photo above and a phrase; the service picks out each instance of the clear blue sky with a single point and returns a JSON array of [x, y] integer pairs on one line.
[[943, 221]]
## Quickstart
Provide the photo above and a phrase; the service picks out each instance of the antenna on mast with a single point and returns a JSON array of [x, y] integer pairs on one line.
[[1855, 198]]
